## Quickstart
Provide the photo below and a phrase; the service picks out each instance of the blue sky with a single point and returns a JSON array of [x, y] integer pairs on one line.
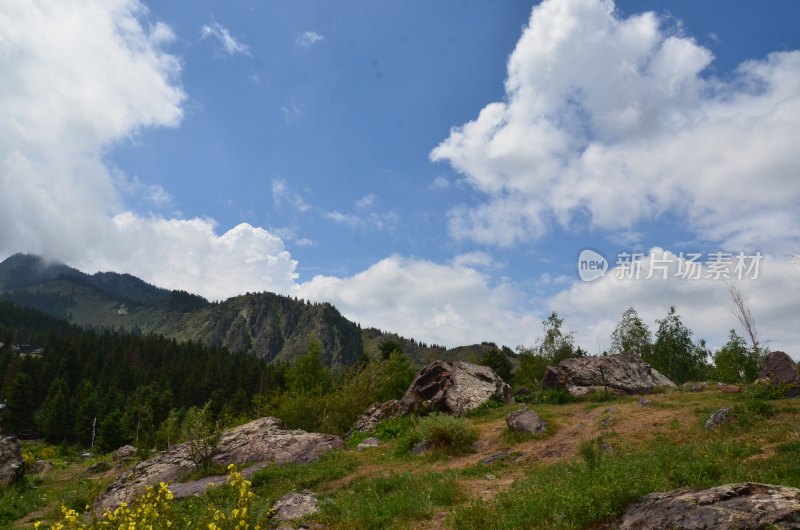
[[433, 168]]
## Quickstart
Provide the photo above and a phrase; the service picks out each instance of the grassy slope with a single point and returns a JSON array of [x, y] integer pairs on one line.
[[580, 475]]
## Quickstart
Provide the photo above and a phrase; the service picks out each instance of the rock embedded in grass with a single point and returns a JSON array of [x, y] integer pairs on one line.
[[743, 506], [719, 417], [295, 505], [525, 421]]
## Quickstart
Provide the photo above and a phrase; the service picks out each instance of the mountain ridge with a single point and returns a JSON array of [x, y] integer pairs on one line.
[[271, 326]]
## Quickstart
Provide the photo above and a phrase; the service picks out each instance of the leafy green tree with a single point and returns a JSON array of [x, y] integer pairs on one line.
[[500, 363], [631, 335], [555, 346], [674, 354], [54, 418], [202, 434], [735, 362], [398, 372], [308, 375], [531, 370]]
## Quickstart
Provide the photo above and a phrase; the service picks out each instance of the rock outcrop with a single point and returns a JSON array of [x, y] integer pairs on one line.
[[525, 421], [376, 413], [747, 506], [456, 388], [621, 373], [262, 440], [11, 467], [780, 369]]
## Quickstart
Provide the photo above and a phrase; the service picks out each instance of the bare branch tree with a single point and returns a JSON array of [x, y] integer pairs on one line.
[[744, 315], [796, 259]]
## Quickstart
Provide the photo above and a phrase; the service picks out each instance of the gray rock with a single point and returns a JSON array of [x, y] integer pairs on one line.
[[11, 467], [746, 506], [525, 421], [97, 467], [497, 457], [621, 373], [456, 388], [719, 417], [295, 506], [367, 443], [779, 368], [474, 385], [644, 402], [126, 451], [421, 447], [262, 440], [41, 466], [376, 413]]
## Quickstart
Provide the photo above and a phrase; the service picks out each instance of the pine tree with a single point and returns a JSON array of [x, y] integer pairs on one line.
[[54, 418], [18, 413]]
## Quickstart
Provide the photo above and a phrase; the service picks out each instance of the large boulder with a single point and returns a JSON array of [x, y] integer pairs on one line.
[[780, 369], [456, 388], [747, 506], [262, 440], [11, 467], [622, 373]]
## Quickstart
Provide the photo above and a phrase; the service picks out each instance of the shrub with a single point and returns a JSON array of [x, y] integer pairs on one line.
[[448, 434]]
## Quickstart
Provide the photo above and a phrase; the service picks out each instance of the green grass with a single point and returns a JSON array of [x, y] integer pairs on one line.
[[596, 487], [20, 500], [394, 501], [276, 480]]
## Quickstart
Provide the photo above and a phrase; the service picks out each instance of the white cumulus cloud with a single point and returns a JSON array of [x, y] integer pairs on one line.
[[443, 304], [79, 76], [612, 121]]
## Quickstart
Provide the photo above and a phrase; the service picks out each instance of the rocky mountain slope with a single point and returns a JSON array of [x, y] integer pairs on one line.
[[271, 326]]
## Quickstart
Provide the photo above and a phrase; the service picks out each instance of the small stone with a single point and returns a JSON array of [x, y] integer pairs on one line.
[[41, 466], [97, 467], [502, 455], [643, 402], [367, 443], [295, 506], [421, 447], [126, 451], [489, 476], [719, 417], [525, 421]]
